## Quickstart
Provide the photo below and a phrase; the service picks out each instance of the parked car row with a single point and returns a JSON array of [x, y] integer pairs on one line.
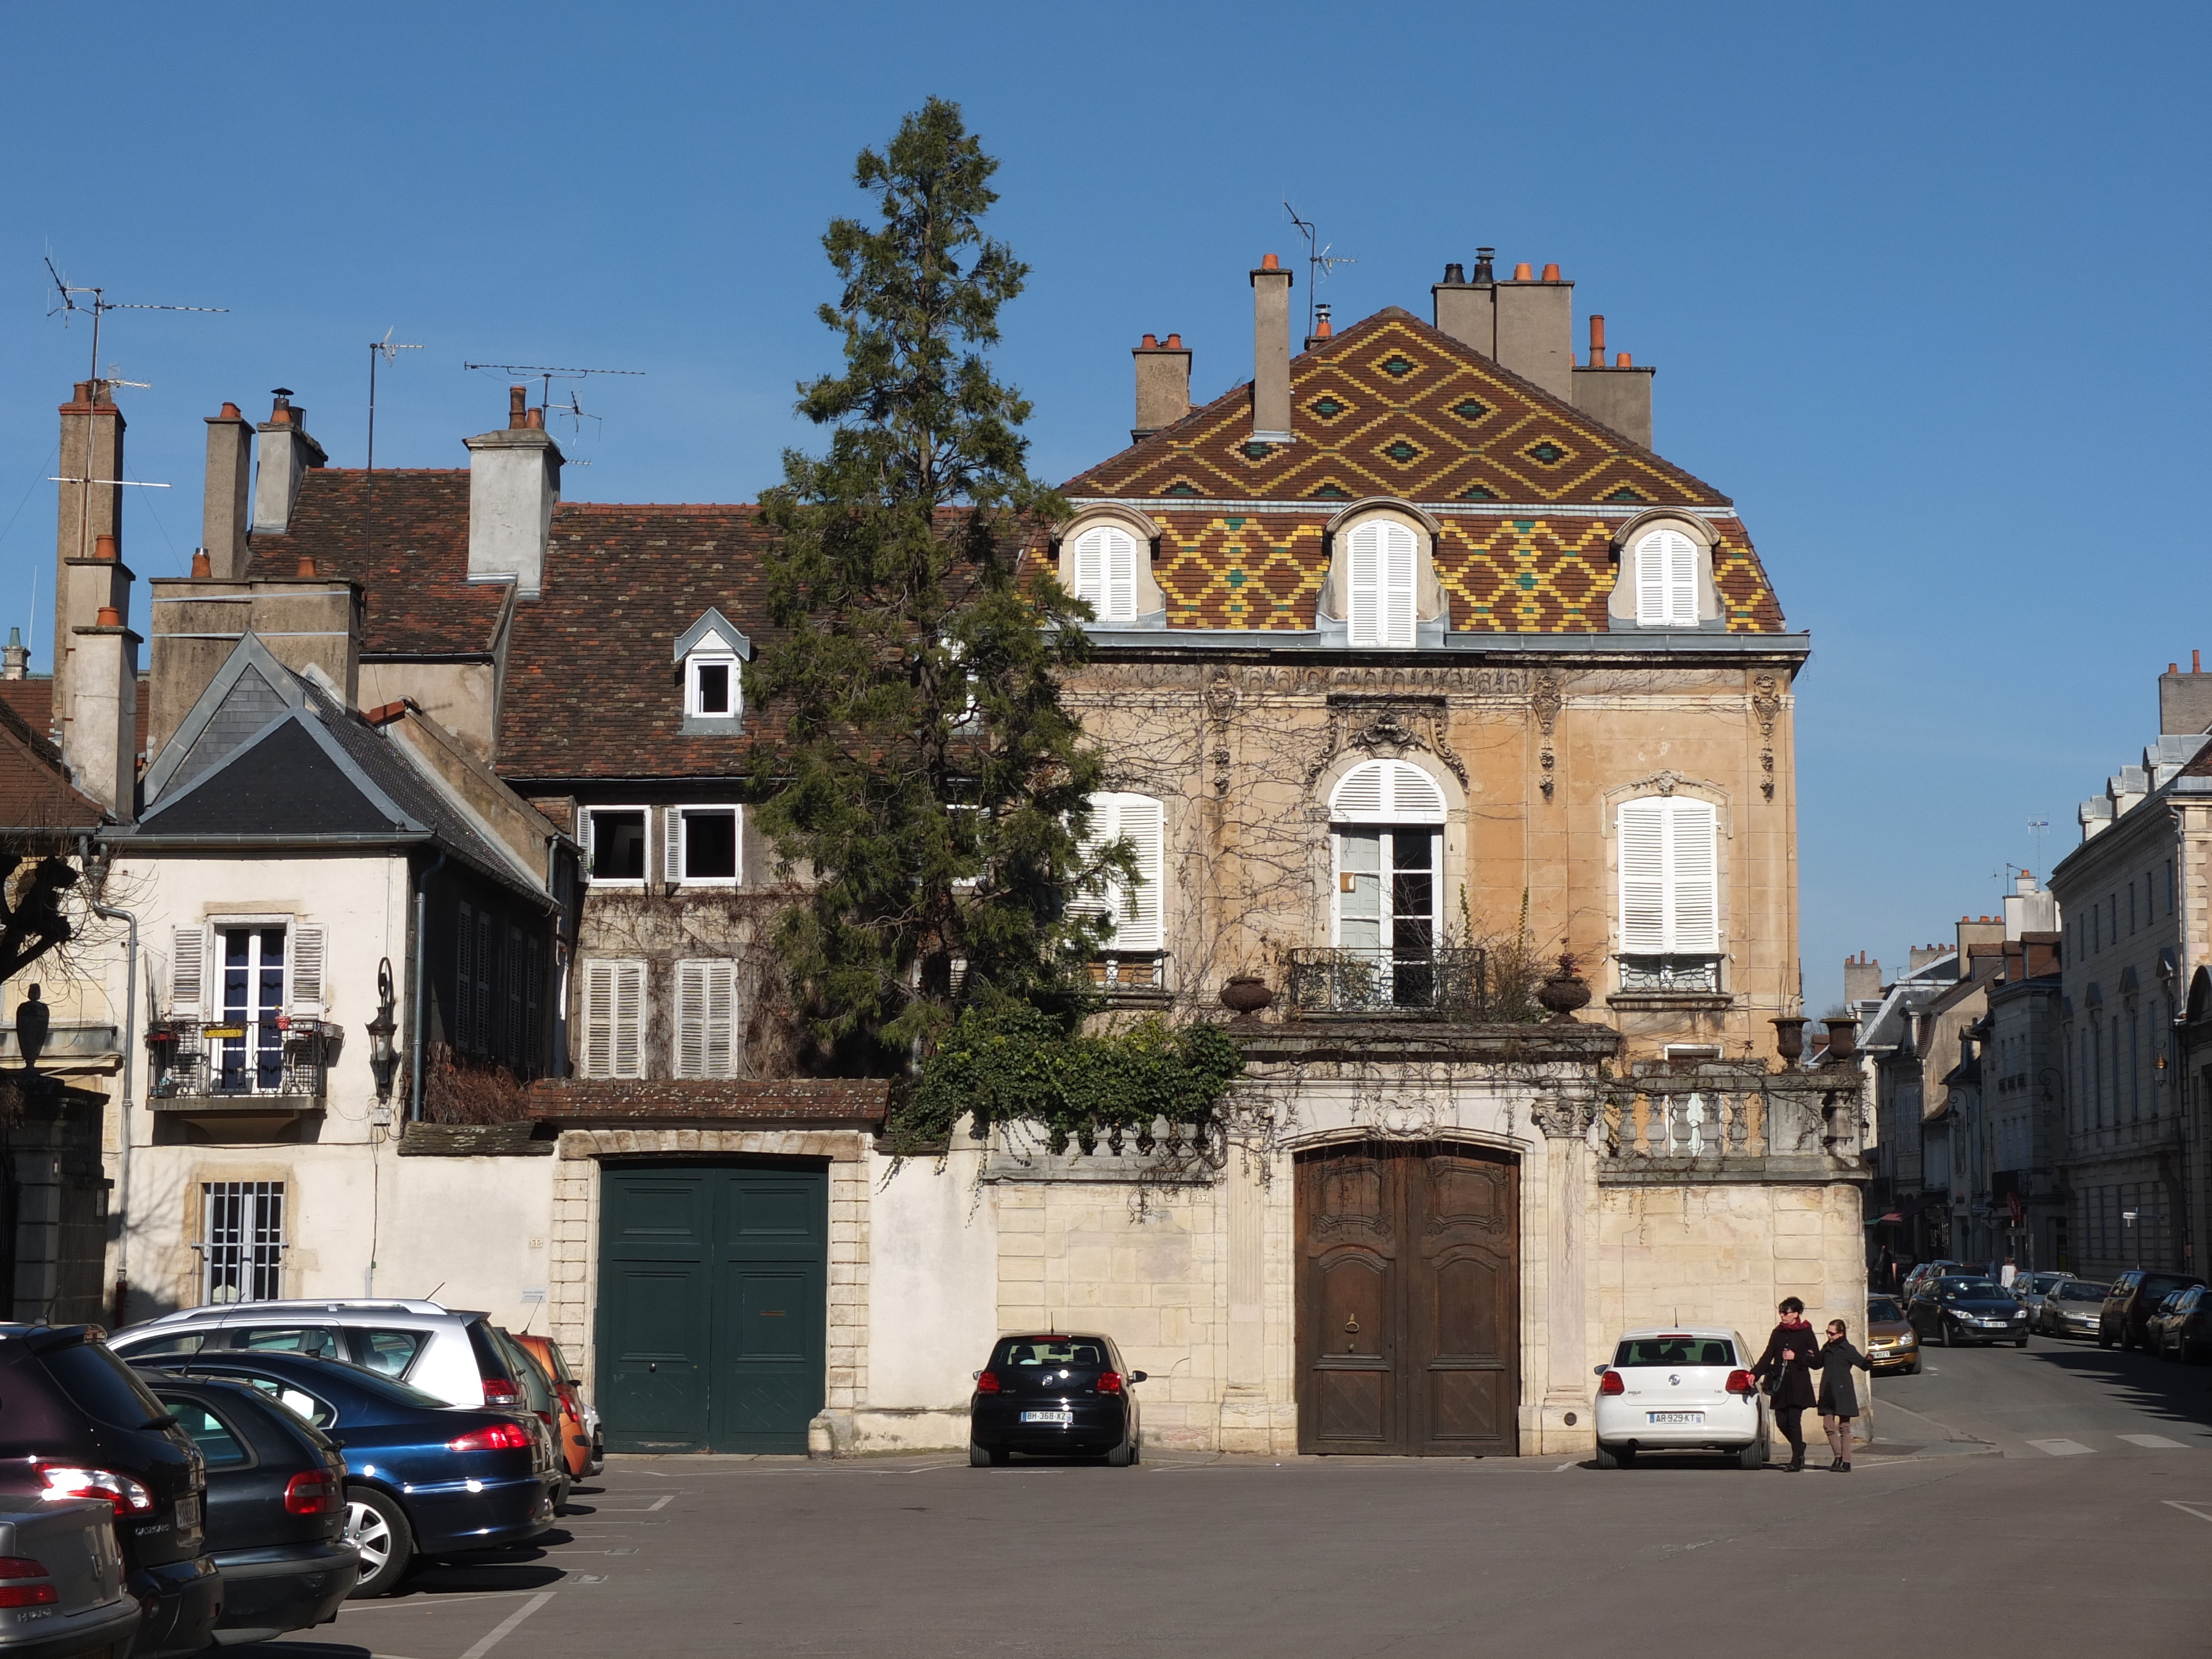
[[2168, 1313], [255, 1465]]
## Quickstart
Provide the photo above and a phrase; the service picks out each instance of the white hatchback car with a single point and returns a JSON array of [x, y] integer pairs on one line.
[[1684, 1388]]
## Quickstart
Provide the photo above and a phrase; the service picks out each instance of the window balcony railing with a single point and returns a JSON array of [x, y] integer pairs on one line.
[[198, 1060], [1670, 974], [1446, 984], [1130, 973]]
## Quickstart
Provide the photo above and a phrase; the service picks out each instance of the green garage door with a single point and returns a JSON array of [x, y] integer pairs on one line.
[[712, 1303]]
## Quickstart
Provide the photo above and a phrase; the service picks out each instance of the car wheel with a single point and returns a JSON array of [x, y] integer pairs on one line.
[[2104, 1337], [1913, 1368], [1606, 1460], [1950, 1337], [1752, 1456], [981, 1457], [2021, 1343], [377, 1527], [1122, 1455]]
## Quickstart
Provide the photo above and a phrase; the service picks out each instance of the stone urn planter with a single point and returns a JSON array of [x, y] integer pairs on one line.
[[1789, 1038], [1842, 1041], [1245, 995], [1564, 991]]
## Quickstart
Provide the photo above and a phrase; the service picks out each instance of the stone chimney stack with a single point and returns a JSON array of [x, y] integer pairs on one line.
[[99, 741], [1617, 393], [227, 504], [89, 512], [514, 483], [1271, 353], [1468, 311], [15, 657], [1862, 979], [1163, 385], [287, 454], [1536, 329], [2185, 701]]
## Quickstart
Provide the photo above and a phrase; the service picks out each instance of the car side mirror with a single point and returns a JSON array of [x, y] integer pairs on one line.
[[973, 1375], [1138, 1377]]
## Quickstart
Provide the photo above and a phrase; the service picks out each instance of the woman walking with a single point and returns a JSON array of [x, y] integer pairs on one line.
[[1839, 1395], [1786, 1366]]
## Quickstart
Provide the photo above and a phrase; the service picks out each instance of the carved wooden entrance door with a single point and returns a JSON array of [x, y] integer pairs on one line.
[[1408, 1300]]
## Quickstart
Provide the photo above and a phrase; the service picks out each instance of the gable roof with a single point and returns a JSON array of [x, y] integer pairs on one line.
[[35, 793]]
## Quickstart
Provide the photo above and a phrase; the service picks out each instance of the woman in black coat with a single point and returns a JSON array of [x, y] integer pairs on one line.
[[1788, 1363], [1840, 1394]]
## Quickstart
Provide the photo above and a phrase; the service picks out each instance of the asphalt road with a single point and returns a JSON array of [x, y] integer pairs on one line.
[[1941, 1537]]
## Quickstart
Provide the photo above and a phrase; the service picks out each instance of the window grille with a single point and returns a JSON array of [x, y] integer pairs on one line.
[[243, 1256]]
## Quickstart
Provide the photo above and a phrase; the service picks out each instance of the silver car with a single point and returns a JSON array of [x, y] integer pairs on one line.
[[63, 1578], [2032, 1288], [2072, 1307]]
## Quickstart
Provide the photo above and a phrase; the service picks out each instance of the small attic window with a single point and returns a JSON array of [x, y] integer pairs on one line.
[[712, 654], [714, 691]]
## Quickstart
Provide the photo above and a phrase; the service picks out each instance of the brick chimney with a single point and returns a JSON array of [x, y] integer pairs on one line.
[[1618, 394], [2185, 701], [1468, 311], [1862, 979], [226, 502], [287, 454], [514, 482], [1535, 329], [1163, 385], [1271, 353], [91, 447]]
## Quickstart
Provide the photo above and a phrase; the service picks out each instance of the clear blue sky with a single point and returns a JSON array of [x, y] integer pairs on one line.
[[1923, 284]]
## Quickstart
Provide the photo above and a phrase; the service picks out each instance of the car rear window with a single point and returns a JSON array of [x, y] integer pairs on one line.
[[388, 1353], [308, 1408], [2080, 1289], [1077, 1352], [174, 1342], [2159, 1286], [1972, 1290], [218, 1443], [491, 1364], [102, 1385], [317, 1339], [1674, 1351]]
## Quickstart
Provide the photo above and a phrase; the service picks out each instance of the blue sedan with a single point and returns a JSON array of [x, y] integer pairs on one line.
[[422, 1478]]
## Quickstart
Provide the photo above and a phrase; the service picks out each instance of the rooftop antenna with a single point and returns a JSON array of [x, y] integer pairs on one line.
[[100, 306], [1320, 261], [547, 376], [386, 351], [2037, 827]]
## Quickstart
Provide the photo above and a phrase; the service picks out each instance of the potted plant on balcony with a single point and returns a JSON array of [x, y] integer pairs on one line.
[[1564, 990]]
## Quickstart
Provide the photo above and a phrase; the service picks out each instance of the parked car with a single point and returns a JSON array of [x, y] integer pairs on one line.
[[2032, 1288], [75, 1422], [2071, 1308], [582, 1445], [542, 1401], [1957, 1310], [1892, 1344], [61, 1591], [1684, 1389], [2134, 1296], [1069, 1395], [276, 1508], [422, 1477], [1937, 1269], [2182, 1327], [451, 1354]]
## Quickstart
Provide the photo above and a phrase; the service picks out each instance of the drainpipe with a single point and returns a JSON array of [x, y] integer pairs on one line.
[[122, 1206], [415, 1019]]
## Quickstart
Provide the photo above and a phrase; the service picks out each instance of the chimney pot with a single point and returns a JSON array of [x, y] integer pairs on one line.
[[80, 391], [2196, 662], [1149, 342], [1597, 339], [1454, 273], [1524, 272], [307, 566], [1323, 326], [1621, 361], [1551, 273], [1483, 273], [1174, 343], [109, 617], [534, 419], [2173, 668], [103, 547], [203, 567], [1267, 262], [517, 399]]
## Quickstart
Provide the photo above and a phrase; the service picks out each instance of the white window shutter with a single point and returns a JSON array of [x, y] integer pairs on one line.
[[1137, 912], [1120, 576], [691, 1019], [307, 972], [1643, 853], [187, 972], [1650, 558], [1400, 565], [721, 1047], [1105, 820], [1360, 796], [1387, 792], [671, 859], [629, 1019], [1414, 796], [1694, 875], [590, 827], [1681, 580], [1090, 570], [1363, 569], [598, 1018]]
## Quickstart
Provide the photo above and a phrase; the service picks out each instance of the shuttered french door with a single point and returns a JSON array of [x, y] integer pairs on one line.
[[1409, 1309]]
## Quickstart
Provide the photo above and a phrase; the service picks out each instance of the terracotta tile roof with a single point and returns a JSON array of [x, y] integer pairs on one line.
[[592, 688], [35, 793], [33, 699], [420, 601], [579, 1100]]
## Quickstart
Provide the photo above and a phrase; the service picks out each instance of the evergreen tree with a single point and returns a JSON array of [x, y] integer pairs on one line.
[[922, 774]]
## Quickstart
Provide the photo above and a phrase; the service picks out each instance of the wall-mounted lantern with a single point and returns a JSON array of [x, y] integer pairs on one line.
[[383, 1055]]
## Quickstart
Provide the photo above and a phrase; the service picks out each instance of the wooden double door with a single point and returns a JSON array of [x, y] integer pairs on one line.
[[1408, 1310], [712, 1305]]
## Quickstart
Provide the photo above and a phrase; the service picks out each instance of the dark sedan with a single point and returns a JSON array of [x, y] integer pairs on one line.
[[1066, 1395], [2182, 1327], [1956, 1311], [276, 1508], [422, 1478]]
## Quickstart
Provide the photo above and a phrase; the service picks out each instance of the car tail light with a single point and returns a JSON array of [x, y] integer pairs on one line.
[[66, 1480], [498, 1436], [501, 1391], [1109, 1383], [307, 1493], [985, 1382], [26, 1583], [1742, 1383], [1611, 1383]]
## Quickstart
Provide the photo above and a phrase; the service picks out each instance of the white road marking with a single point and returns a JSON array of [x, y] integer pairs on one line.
[[420, 1603], [1563, 1469], [506, 1626], [2061, 1448], [2154, 1441], [2193, 1508]]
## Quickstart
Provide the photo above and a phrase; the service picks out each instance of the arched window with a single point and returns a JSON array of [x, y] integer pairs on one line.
[[1133, 906], [1105, 566], [1665, 562], [1387, 899], [1382, 568], [1386, 792], [1669, 854]]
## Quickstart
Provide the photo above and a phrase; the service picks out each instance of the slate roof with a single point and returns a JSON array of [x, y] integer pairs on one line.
[[419, 600], [35, 793]]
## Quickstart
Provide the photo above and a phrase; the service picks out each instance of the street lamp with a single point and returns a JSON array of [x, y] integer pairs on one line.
[[383, 1055]]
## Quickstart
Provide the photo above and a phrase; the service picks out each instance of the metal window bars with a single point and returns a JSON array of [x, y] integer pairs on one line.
[[1671, 972], [1450, 983], [242, 1255]]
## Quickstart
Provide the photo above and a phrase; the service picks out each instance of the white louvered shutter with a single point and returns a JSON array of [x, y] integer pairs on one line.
[[1362, 570], [1387, 792], [1105, 816], [671, 852], [1136, 908], [1693, 876], [1642, 852], [599, 1018], [591, 829], [1651, 578], [1414, 797], [187, 972], [1361, 796], [1120, 576], [1400, 564], [307, 972], [1667, 580], [1681, 580], [706, 1019], [1090, 570], [629, 1019]]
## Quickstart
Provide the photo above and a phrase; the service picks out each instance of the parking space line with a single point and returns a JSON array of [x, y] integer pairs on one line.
[[2193, 1508], [506, 1626], [2155, 1442], [2062, 1447], [431, 1598]]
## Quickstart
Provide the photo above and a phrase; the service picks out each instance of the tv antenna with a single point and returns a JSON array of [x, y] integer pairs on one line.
[[381, 350], [547, 376], [2037, 827], [100, 306], [1320, 261]]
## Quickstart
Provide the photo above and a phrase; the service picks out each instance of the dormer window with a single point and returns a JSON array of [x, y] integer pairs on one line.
[[1383, 565], [713, 679], [1105, 572], [711, 654], [1381, 592], [1666, 567]]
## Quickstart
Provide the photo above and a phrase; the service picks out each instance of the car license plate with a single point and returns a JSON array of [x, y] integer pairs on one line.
[[188, 1513], [1676, 1417], [1049, 1416]]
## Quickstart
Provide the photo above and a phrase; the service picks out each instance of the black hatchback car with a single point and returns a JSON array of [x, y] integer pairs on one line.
[[2182, 1327], [2134, 1298], [1958, 1310], [276, 1508], [1055, 1395], [75, 1423]]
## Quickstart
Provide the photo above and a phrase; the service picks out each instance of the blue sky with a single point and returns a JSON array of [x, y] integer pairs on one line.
[[1924, 286]]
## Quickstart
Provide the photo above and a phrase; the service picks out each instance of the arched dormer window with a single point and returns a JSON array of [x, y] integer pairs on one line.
[[1104, 560], [1381, 572], [1666, 576]]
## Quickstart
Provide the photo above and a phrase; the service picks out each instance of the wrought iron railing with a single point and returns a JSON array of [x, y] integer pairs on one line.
[[1446, 984], [1671, 972], [192, 1058], [1129, 972]]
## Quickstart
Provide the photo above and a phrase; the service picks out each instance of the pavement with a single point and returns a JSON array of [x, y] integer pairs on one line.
[[1953, 1530]]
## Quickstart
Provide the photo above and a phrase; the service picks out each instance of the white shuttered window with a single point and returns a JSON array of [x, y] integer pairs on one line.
[[1106, 572], [1667, 581], [614, 1018], [1670, 878], [705, 1019], [307, 971], [187, 971], [1134, 906], [1382, 567]]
